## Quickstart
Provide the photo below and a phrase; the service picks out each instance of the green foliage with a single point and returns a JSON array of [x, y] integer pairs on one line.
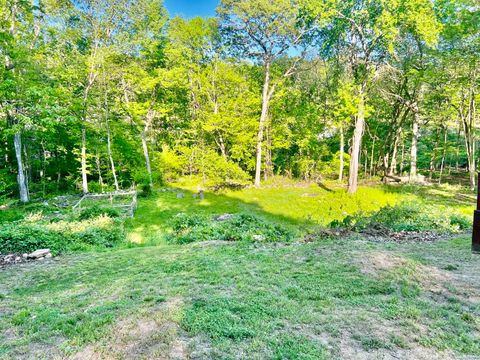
[[211, 169], [408, 216], [237, 227], [63, 236], [96, 211]]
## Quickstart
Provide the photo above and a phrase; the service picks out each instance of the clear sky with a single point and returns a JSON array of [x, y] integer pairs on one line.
[[191, 8]]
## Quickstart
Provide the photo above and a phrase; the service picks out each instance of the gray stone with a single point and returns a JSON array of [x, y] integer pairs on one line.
[[224, 217], [180, 195], [258, 237], [38, 254]]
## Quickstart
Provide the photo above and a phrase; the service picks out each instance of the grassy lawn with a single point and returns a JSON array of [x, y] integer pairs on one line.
[[344, 298], [300, 208]]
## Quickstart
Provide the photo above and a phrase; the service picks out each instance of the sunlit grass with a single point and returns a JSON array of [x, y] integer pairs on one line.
[[300, 208]]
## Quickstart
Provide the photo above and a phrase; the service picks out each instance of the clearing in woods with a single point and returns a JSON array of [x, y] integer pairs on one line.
[[343, 297]]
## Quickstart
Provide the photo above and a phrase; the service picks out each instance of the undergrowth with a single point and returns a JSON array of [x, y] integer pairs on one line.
[[65, 235], [408, 216], [234, 227]]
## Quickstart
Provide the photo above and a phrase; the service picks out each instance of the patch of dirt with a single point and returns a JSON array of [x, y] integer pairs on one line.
[[440, 284], [155, 335], [11, 259], [385, 235], [379, 235], [378, 261]]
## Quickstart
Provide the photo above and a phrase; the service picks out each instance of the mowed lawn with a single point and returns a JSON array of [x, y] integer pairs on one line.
[[344, 298]]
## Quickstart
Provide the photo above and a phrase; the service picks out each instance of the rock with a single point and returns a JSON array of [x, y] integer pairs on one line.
[[38, 254], [180, 195], [258, 237], [9, 258], [201, 195], [25, 256], [18, 258], [223, 217], [49, 255]]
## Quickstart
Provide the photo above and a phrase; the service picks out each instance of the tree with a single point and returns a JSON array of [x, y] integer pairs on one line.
[[265, 31], [368, 31]]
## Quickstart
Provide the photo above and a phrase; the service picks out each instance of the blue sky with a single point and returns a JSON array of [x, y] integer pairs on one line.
[[191, 8]]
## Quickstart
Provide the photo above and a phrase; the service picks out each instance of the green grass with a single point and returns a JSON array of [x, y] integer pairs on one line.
[[343, 298], [259, 301], [300, 208]]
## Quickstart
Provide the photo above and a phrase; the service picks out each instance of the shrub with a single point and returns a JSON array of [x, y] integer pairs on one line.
[[62, 236], [95, 211], [411, 216], [238, 227]]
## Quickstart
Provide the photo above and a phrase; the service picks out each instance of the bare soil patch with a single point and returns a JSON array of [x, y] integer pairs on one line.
[[156, 335]]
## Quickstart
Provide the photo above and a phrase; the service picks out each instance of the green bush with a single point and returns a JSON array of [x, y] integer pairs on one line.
[[26, 236], [96, 211], [238, 227], [411, 216]]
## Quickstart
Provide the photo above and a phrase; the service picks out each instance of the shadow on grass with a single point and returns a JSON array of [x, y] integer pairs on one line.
[[435, 194], [154, 215]]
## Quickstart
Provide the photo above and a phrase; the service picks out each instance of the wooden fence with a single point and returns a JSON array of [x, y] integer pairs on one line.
[[128, 208]]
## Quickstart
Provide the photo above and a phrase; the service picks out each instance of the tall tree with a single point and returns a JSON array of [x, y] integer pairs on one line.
[[265, 31]]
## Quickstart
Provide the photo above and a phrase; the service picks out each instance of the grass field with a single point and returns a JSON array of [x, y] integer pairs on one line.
[[330, 298]]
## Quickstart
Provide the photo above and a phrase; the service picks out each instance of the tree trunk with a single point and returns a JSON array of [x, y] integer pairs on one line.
[[112, 163], [149, 119], [413, 149], [268, 172], [357, 142], [442, 165], [393, 163], [109, 149], [147, 158], [342, 150], [21, 179], [432, 161], [99, 171], [469, 131], [372, 157], [263, 119], [84, 161]]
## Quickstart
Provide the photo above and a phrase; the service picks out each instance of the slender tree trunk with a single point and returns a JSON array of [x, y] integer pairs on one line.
[[413, 149], [342, 151], [402, 159], [84, 161], [442, 165], [263, 119], [393, 163], [268, 172], [432, 161], [147, 158], [386, 159], [469, 128], [110, 156], [357, 142], [148, 121], [99, 171], [22, 181], [109, 145], [372, 157]]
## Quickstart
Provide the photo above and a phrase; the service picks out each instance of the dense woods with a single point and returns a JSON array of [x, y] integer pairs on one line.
[[95, 97]]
